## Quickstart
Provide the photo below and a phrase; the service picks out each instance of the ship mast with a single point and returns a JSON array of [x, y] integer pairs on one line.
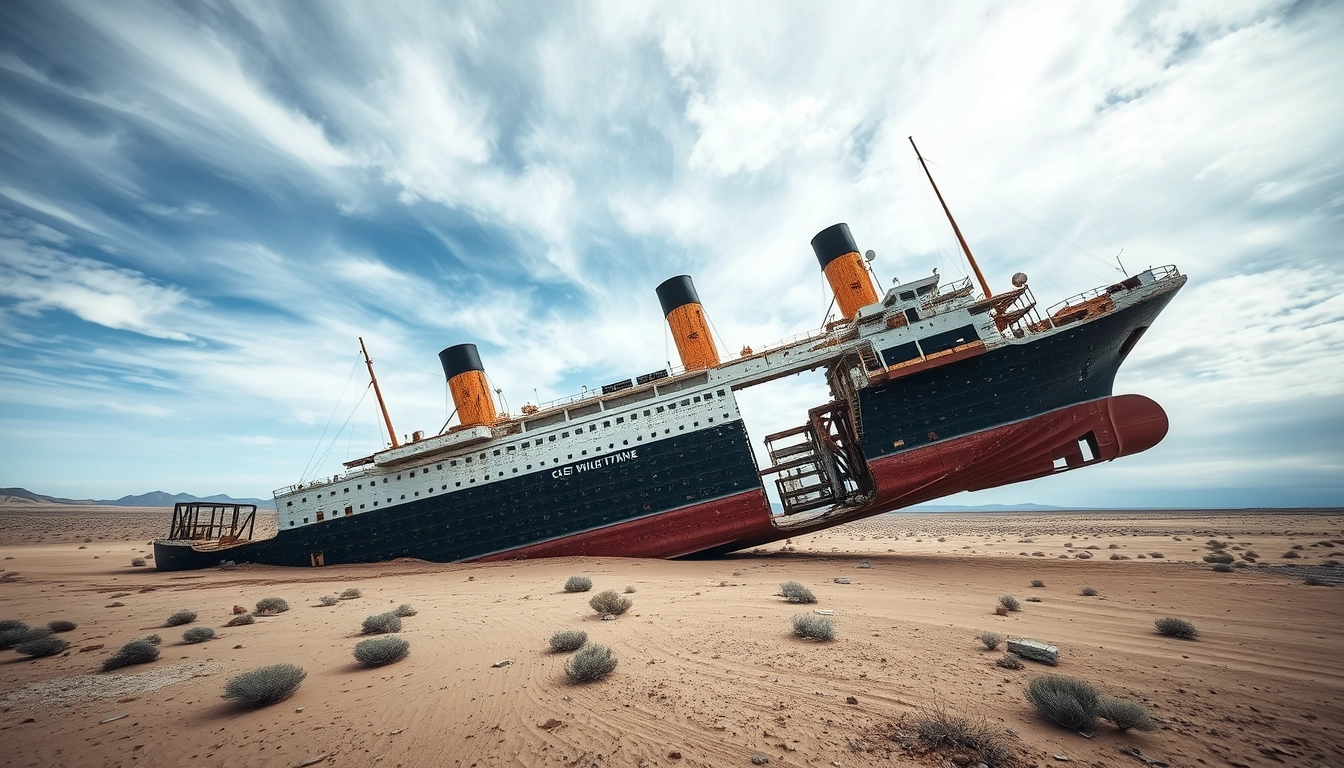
[[964, 247], [391, 433]]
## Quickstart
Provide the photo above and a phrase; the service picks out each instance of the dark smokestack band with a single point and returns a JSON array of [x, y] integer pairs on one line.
[[460, 358], [677, 292], [833, 242]]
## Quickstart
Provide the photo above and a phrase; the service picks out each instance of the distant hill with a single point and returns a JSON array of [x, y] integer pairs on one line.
[[978, 508], [151, 499]]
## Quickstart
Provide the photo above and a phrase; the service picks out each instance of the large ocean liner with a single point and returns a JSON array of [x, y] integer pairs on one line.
[[934, 390]]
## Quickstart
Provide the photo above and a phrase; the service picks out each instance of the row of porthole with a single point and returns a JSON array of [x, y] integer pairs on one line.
[[611, 446]]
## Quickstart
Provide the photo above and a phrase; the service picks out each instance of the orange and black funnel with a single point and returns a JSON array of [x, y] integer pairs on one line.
[[844, 269], [466, 380], [690, 329]]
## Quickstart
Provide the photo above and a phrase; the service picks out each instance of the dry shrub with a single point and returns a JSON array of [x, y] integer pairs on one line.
[[810, 627], [568, 640], [608, 602], [405, 609], [352, 593], [578, 584], [629, 589], [796, 593], [382, 623], [328, 600], [991, 640], [1176, 628], [61, 625], [48, 645], [1156, 555], [378, 651], [1033, 599], [1037, 583], [10, 624], [134, 652], [940, 729], [269, 606], [11, 638], [1089, 592], [240, 620], [1219, 557], [1010, 661], [1065, 701], [1125, 714], [1010, 602], [198, 635], [1222, 568], [592, 662], [1291, 555], [180, 618], [265, 686]]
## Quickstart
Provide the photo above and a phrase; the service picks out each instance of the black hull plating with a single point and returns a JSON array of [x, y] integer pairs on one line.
[[668, 474], [1004, 385]]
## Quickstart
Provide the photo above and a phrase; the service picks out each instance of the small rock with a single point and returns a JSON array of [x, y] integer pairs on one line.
[[824, 612], [549, 724], [88, 648], [238, 609], [674, 755], [503, 663], [864, 564], [1034, 650], [1061, 758], [609, 617], [115, 605], [851, 700], [841, 580], [760, 758]]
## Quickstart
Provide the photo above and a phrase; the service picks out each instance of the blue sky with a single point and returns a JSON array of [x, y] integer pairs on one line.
[[202, 206]]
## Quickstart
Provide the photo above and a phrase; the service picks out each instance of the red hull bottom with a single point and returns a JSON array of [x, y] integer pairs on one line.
[[1042, 445]]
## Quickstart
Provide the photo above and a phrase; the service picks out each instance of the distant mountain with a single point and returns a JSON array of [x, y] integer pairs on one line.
[[978, 508], [151, 499]]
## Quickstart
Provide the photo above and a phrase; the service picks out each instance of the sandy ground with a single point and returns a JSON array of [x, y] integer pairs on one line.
[[708, 668]]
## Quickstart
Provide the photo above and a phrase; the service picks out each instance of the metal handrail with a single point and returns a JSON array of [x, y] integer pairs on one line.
[[1160, 274]]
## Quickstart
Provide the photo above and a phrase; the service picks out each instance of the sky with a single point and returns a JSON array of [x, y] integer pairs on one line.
[[203, 206]]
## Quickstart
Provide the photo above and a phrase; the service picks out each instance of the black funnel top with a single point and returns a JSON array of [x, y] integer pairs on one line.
[[677, 292], [460, 358], [833, 242]]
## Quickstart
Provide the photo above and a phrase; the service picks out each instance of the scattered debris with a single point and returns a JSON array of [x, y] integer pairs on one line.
[[115, 605], [88, 648], [674, 755], [1061, 758], [503, 663], [608, 617], [1152, 761], [824, 612], [841, 580], [112, 718], [1034, 650], [312, 761], [760, 758], [851, 700], [864, 564]]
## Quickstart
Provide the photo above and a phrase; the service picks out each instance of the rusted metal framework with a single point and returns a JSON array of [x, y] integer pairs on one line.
[[212, 522]]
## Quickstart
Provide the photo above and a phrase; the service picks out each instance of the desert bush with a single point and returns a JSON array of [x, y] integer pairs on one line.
[[1291, 555], [568, 640], [1065, 701], [328, 600], [1010, 602], [1089, 592], [1084, 556], [269, 606], [138, 562], [946, 731], [1033, 599], [1313, 581], [180, 618], [1223, 568], [810, 627], [198, 635], [265, 686], [61, 625], [351, 594], [1156, 555], [153, 639], [1219, 557], [9, 624], [15, 637], [1176, 628], [405, 609], [629, 589], [991, 640], [1037, 583], [134, 652], [47, 645], [1215, 544], [608, 602], [578, 584], [1125, 714], [241, 619], [378, 651], [796, 593], [1010, 661], [382, 623], [592, 662]]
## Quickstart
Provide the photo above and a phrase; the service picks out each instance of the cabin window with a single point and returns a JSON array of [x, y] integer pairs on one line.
[[412, 475], [529, 466], [349, 511], [907, 295], [526, 444], [468, 459], [303, 500], [510, 449], [398, 477], [496, 452], [620, 419], [696, 398], [289, 503], [443, 487], [584, 453], [670, 406], [569, 456], [551, 439], [592, 428], [305, 520], [634, 416], [564, 434], [291, 523], [711, 419], [438, 466], [457, 485], [912, 315], [646, 411], [924, 290], [482, 457], [709, 395], [345, 490], [361, 506], [660, 409], [515, 471], [721, 393]]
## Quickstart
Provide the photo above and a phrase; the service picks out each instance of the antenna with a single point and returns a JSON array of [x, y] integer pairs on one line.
[[1122, 265], [964, 247]]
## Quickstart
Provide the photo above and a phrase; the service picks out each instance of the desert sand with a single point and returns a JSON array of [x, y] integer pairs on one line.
[[709, 672]]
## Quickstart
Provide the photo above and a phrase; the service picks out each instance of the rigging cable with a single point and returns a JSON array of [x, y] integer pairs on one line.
[[343, 426], [310, 466]]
